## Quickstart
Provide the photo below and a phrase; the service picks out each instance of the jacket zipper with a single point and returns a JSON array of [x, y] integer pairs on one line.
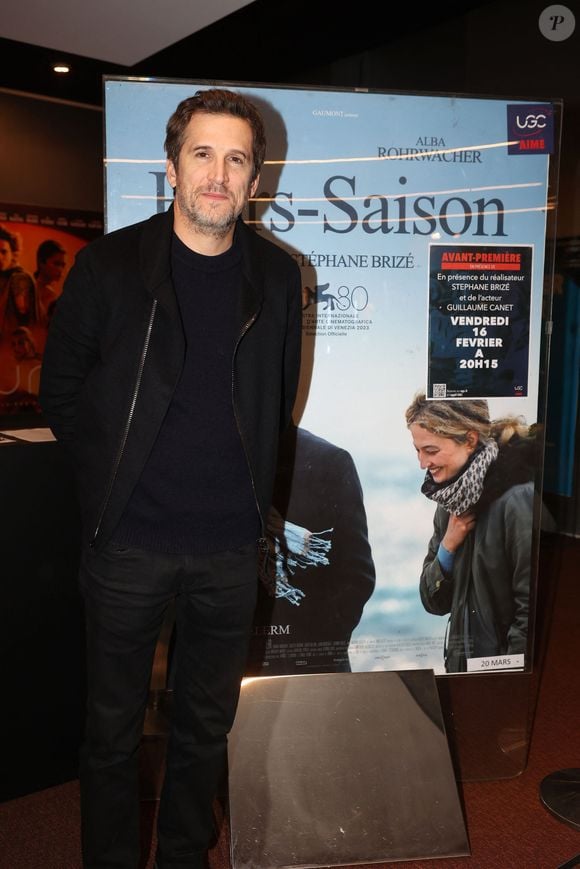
[[128, 422], [262, 541]]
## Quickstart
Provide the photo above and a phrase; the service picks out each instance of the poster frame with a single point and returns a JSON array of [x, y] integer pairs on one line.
[[515, 688]]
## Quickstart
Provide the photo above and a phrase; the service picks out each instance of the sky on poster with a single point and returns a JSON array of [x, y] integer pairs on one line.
[[356, 385]]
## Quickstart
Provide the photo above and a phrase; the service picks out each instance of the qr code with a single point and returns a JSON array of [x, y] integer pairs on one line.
[[439, 390]]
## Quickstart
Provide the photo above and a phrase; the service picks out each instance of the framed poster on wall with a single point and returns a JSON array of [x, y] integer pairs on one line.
[[419, 223], [37, 248]]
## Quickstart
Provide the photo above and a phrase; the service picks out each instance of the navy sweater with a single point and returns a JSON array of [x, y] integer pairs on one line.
[[195, 494]]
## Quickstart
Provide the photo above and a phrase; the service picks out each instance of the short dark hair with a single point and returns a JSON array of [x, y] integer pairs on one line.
[[46, 249], [216, 101]]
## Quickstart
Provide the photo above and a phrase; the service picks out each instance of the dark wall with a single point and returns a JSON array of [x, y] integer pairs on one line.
[[52, 153]]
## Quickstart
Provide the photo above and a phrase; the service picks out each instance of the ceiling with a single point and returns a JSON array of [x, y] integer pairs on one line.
[[116, 31]]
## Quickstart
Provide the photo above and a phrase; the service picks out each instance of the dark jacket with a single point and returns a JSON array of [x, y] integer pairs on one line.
[[115, 352], [317, 488], [487, 593]]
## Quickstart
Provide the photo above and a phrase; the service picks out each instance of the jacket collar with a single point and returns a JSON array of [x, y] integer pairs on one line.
[[156, 263], [156, 256], [253, 286]]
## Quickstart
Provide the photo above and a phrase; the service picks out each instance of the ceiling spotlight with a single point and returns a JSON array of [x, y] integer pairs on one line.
[[61, 68]]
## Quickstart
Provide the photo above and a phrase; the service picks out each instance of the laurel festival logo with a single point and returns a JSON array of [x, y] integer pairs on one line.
[[530, 128]]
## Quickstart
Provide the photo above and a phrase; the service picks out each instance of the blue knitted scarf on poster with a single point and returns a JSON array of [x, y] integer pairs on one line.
[[290, 548]]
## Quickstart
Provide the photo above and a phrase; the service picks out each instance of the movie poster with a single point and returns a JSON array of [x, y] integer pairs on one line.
[[419, 226], [37, 248]]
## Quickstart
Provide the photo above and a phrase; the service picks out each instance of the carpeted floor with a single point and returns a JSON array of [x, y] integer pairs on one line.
[[508, 826]]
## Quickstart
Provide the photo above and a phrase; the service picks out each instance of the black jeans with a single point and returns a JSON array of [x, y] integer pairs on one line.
[[126, 593]]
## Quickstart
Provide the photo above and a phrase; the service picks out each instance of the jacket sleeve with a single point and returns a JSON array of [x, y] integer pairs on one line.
[[435, 587], [71, 350], [292, 345], [518, 529]]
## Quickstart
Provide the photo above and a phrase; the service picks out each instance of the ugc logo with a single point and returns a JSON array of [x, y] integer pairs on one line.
[[530, 128], [531, 122]]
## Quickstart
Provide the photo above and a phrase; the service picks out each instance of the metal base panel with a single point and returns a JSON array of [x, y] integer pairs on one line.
[[340, 769]]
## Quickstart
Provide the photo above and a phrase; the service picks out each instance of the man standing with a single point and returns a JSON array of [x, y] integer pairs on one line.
[[170, 368]]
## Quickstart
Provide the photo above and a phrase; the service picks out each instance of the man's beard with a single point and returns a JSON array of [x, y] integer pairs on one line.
[[208, 222]]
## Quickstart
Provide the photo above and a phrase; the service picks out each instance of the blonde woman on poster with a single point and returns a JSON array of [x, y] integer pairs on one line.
[[480, 475]]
